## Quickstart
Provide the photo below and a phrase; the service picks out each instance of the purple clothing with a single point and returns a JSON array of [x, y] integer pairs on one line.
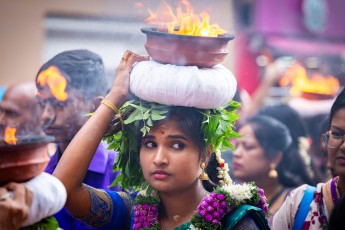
[[99, 175]]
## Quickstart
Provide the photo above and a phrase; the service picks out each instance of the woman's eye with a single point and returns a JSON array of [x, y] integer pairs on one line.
[[337, 134], [150, 144], [178, 146], [248, 146]]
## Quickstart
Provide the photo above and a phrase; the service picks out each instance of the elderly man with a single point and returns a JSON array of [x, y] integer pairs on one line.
[[20, 109], [25, 204]]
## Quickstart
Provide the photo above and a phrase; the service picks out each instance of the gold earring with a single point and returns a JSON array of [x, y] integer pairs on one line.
[[203, 175], [273, 172]]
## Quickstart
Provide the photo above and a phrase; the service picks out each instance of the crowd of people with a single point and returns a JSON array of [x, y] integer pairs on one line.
[[135, 163]]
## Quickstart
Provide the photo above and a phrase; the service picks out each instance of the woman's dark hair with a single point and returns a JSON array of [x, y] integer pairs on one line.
[[83, 69], [288, 116], [293, 171], [339, 103], [337, 220], [273, 136]]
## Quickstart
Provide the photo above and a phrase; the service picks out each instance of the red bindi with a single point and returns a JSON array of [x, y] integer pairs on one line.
[[162, 132]]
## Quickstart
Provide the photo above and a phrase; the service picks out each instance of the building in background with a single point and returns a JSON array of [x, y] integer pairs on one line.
[[34, 31]]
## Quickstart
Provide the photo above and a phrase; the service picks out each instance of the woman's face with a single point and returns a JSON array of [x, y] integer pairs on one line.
[[337, 155], [169, 160], [249, 160]]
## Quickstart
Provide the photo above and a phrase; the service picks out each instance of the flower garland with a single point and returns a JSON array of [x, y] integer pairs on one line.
[[210, 211], [223, 170]]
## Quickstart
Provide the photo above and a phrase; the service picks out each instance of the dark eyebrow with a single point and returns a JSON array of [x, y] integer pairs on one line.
[[176, 136], [337, 128]]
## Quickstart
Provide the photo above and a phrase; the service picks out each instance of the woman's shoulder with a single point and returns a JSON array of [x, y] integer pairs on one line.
[[285, 216], [108, 208], [245, 217]]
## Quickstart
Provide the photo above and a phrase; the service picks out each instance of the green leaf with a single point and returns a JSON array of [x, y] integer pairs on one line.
[[136, 115], [156, 116]]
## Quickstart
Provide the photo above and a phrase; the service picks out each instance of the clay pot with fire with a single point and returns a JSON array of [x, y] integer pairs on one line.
[[185, 38], [22, 158]]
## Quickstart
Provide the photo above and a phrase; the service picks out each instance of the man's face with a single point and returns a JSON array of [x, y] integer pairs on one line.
[[19, 109], [63, 119]]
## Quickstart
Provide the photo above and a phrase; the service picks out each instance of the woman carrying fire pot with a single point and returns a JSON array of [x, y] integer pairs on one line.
[[167, 149]]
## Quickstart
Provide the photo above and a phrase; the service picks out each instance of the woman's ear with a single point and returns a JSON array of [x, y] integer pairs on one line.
[[277, 158], [208, 154]]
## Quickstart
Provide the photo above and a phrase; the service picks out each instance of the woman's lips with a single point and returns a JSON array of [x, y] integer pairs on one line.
[[160, 174], [236, 166], [341, 160]]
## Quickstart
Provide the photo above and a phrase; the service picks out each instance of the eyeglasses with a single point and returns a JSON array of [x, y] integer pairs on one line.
[[333, 139]]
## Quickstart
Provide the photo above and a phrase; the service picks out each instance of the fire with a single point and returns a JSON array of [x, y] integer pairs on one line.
[[10, 136], [185, 22], [297, 76], [56, 82]]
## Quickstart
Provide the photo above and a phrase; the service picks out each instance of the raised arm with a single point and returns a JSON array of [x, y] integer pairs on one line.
[[75, 160]]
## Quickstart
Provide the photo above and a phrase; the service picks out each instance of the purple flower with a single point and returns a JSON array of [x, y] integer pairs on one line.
[[208, 218], [154, 208], [142, 218], [143, 212], [204, 204], [215, 222], [216, 204], [137, 226], [151, 213], [261, 191], [202, 213], [223, 204], [146, 206], [213, 195], [210, 209], [220, 196], [146, 224], [209, 200], [215, 214], [221, 211]]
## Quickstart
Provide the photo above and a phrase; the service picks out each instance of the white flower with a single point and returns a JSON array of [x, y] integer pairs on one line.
[[193, 228], [240, 192]]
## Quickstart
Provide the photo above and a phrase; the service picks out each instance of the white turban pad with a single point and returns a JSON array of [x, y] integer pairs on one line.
[[49, 197], [188, 86]]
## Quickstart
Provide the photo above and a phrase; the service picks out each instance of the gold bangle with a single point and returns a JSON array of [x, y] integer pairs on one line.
[[110, 105]]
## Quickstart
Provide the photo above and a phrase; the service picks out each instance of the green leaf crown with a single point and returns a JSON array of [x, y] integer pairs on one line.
[[217, 128]]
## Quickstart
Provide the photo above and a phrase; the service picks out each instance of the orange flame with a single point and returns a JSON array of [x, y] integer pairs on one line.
[[10, 136], [56, 82], [297, 76], [185, 22]]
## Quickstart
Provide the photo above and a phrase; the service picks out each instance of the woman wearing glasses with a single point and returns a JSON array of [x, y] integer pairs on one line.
[[303, 211]]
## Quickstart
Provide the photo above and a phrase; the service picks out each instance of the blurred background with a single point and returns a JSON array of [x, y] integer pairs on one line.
[[310, 31], [34, 31]]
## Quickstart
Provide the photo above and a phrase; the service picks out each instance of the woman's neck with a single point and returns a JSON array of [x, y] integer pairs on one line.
[[179, 208], [270, 186]]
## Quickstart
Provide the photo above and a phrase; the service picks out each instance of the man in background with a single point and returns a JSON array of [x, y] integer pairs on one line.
[[71, 85]]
